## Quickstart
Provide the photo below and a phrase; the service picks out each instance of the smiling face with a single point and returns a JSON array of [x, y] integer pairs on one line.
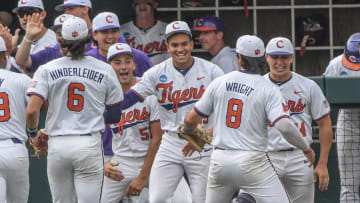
[[105, 39], [124, 67], [180, 47], [280, 66]]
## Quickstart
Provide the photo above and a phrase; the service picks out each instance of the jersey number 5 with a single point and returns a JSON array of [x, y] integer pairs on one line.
[[4, 107], [234, 111], [75, 100]]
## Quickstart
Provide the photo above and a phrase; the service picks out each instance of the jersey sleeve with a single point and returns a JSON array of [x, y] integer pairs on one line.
[[145, 87], [154, 109], [204, 107], [320, 107], [275, 107], [26, 82], [115, 94], [331, 70], [217, 72], [39, 84]]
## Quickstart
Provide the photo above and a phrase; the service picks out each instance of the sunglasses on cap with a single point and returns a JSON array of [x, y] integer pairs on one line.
[[27, 11]]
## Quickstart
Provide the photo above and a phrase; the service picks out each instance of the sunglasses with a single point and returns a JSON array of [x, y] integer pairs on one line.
[[27, 11]]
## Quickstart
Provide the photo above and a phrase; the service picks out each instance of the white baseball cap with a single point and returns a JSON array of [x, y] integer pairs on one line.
[[2, 45], [250, 45], [279, 46], [69, 3], [74, 28], [29, 4], [119, 48], [61, 19], [177, 27], [105, 20]]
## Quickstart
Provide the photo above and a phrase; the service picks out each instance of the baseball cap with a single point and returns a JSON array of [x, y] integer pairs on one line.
[[60, 20], [2, 45], [119, 48], [69, 3], [105, 20], [177, 27], [29, 4], [74, 28], [209, 23], [351, 57], [279, 46], [250, 45]]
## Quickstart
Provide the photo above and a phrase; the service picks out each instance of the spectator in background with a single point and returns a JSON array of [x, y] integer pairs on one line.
[[5, 18], [146, 33], [211, 38], [348, 123]]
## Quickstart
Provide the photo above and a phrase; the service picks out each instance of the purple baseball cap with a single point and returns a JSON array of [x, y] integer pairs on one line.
[[209, 23]]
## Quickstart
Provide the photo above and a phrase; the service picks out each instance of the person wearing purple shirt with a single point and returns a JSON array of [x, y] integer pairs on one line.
[[106, 32]]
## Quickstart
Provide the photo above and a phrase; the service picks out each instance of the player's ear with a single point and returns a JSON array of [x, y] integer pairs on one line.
[[239, 59], [43, 15], [219, 35]]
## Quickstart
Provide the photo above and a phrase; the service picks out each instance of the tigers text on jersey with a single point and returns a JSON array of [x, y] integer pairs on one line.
[[77, 91], [131, 136], [245, 102], [13, 101], [175, 92], [306, 102], [152, 41]]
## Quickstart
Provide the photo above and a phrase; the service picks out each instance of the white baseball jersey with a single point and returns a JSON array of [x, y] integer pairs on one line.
[[48, 40], [243, 101], [152, 41], [337, 69], [226, 59], [77, 91], [175, 92], [131, 136], [13, 101], [306, 102]]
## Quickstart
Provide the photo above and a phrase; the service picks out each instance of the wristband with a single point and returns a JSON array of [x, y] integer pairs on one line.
[[187, 130], [308, 150], [32, 132], [28, 41]]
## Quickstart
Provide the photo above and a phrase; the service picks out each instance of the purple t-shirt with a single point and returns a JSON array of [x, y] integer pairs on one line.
[[143, 63]]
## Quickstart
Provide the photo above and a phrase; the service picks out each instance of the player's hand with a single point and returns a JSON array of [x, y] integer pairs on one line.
[[136, 186], [188, 149], [34, 27], [321, 173], [112, 172], [310, 156], [15, 39], [34, 140]]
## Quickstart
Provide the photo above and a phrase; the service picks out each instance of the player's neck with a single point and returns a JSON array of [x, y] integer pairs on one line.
[[281, 78], [145, 22], [218, 46], [126, 86], [185, 65]]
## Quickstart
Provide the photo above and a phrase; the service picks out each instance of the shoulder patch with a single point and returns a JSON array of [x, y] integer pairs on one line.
[[126, 35], [163, 78]]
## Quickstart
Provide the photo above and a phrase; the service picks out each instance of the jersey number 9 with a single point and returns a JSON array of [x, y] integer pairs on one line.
[[75, 100]]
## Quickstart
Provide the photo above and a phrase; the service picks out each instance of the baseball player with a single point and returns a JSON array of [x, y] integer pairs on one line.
[[177, 83], [306, 103], [348, 123], [14, 164], [83, 93], [211, 38], [106, 33], [136, 138], [243, 103], [146, 33]]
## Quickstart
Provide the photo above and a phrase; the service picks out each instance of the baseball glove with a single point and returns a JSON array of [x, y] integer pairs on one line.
[[198, 137], [41, 146]]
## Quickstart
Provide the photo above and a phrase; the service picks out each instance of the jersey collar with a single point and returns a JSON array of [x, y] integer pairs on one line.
[[279, 83]]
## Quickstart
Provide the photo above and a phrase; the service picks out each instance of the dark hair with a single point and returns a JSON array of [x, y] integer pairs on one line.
[[254, 64], [77, 48]]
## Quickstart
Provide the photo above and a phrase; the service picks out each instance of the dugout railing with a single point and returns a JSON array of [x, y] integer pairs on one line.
[[340, 92]]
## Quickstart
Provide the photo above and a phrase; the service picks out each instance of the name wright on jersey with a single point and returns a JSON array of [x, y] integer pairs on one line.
[[239, 88], [78, 72]]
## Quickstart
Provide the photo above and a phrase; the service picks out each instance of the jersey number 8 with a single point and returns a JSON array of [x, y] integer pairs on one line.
[[234, 111], [4, 107], [75, 101]]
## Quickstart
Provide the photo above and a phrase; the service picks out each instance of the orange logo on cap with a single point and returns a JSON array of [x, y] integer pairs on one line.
[[257, 51], [74, 34], [118, 47], [109, 19], [278, 44], [23, 2], [62, 19], [175, 28]]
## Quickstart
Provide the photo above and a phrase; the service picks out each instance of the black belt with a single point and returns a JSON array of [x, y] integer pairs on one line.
[[219, 148], [287, 150], [179, 135], [16, 141]]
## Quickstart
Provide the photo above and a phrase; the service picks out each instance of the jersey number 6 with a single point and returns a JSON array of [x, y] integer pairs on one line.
[[4, 107], [234, 111], [75, 101]]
